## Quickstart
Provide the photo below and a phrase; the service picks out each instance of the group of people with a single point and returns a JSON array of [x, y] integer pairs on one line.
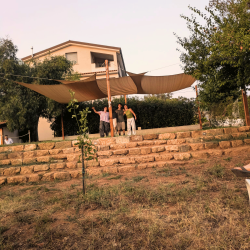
[[104, 128], [118, 120]]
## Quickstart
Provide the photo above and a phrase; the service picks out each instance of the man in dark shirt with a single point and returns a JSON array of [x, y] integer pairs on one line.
[[114, 115], [120, 119]]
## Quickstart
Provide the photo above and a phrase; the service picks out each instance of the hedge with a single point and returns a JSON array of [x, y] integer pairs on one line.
[[150, 112]]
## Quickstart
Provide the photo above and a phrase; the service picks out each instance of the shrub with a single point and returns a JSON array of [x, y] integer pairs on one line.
[[151, 113]]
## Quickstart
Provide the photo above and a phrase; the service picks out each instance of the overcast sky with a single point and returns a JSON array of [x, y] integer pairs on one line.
[[143, 29]]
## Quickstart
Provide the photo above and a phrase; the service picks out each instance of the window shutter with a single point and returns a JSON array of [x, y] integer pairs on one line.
[[72, 57]]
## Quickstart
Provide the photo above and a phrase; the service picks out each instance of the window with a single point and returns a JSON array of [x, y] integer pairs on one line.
[[99, 59], [72, 57]]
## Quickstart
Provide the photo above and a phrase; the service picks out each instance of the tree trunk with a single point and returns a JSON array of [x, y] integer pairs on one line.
[[34, 131]]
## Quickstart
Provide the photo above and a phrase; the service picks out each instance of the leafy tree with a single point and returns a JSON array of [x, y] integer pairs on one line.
[[20, 106], [159, 96], [217, 53]]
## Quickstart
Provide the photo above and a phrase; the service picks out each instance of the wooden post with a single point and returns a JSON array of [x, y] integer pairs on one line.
[[198, 107], [62, 125], [1, 134], [29, 135], [109, 99], [125, 99], [245, 103]]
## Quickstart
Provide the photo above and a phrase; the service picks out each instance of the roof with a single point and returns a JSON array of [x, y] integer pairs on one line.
[[68, 43], [3, 124]]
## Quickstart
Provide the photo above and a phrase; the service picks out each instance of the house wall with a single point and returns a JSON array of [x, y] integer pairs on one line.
[[45, 133], [84, 64]]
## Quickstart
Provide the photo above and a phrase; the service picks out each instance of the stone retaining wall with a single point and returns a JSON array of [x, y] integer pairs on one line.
[[60, 160]]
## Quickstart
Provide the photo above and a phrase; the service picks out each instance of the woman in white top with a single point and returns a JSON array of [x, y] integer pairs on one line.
[[7, 140]]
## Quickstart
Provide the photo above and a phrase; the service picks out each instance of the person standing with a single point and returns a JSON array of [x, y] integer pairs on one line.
[[104, 121], [7, 140], [130, 120], [114, 117], [120, 120]]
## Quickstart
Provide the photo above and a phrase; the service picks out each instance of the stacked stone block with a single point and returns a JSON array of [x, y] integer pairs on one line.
[[61, 160]]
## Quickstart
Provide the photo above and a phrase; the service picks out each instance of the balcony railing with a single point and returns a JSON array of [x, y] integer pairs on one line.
[[100, 64]]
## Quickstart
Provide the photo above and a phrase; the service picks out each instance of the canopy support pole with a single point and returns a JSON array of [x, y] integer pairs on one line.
[[245, 103], [62, 125], [109, 99], [125, 99], [1, 134], [198, 107]]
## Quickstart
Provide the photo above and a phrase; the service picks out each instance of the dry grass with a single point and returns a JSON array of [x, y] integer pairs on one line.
[[199, 206]]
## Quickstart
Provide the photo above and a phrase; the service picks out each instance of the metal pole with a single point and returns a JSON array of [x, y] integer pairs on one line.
[[198, 107], [125, 99], [109, 99], [245, 103], [62, 125]]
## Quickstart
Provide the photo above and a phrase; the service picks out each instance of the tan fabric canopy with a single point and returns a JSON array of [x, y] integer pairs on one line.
[[92, 88]]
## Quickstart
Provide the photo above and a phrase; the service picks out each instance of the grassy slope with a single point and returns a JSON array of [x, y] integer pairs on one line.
[[196, 206]]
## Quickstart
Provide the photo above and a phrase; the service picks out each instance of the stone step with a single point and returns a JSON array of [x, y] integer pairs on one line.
[[168, 138], [104, 144], [65, 175], [58, 152], [137, 160], [190, 137], [56, 156], [41, 168], [36, 177], [144, 150], [36, 146], [132, 167], [49, 172], [173, 154]]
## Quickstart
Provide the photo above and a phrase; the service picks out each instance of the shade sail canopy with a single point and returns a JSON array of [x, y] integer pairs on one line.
[[92, 88]]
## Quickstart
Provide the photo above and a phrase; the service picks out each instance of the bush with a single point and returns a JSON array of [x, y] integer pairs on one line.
[[227, 111], [151, 113]]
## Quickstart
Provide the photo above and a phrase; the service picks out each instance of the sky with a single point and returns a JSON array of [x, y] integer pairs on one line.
[[143, 29]]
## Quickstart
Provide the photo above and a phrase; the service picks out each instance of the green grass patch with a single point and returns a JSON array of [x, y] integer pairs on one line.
[[138, 178], [217, 170], [106, 174], [115, 177], [240, 164], [3, 229], [228, 159]]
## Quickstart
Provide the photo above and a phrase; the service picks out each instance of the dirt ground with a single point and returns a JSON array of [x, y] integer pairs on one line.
[[199, 204]]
